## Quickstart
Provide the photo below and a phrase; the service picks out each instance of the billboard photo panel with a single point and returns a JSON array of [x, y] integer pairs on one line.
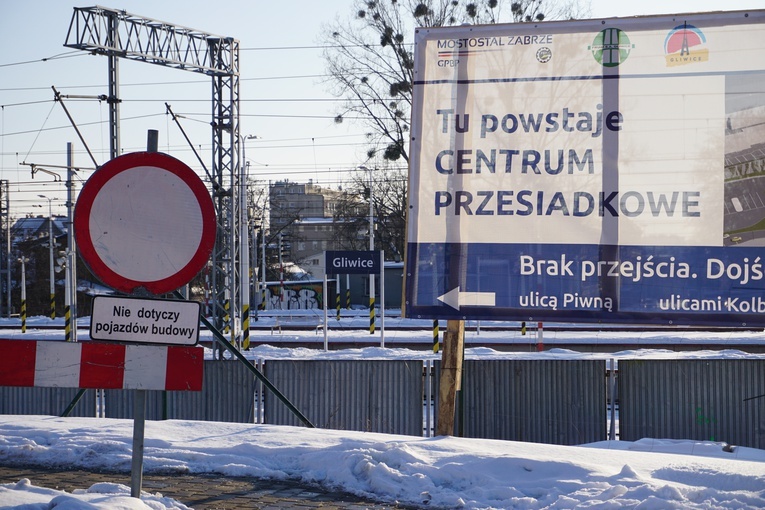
[[595, 171]]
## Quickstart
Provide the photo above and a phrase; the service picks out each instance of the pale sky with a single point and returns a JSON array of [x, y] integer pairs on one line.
[[285, 100], [619, 8]]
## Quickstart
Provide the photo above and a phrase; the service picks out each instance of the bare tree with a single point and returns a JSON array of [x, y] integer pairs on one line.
[[370, 62], [388, 211], [370, 58]]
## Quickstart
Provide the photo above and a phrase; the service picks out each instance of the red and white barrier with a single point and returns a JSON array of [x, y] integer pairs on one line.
[[99, 365]]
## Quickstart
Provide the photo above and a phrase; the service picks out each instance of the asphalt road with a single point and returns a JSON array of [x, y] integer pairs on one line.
[[205, 492]]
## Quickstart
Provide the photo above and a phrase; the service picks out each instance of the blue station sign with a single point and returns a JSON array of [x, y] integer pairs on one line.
[[352, 262]]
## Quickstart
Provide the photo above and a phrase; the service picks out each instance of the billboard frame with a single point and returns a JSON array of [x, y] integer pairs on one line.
[[446, 242]]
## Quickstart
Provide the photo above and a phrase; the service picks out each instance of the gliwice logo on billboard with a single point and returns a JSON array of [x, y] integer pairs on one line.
[[685, 44]]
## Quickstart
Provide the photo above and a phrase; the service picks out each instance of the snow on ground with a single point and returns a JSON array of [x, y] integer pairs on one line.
[[442, 472]]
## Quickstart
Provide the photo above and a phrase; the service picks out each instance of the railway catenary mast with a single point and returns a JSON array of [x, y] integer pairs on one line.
[[118, 34]]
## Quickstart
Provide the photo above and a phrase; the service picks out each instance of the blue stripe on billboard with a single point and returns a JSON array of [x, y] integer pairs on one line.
[[587, 283]]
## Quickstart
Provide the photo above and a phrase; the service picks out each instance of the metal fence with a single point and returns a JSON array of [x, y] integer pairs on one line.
[[543, 401], [711, 400], [374, 396], [547, 401], [48, 401]]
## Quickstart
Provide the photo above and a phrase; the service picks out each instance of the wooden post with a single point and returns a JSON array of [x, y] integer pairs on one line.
[[451, 375]]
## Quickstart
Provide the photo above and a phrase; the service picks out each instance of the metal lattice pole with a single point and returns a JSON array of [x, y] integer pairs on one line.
[[118, 34], [5, 225]]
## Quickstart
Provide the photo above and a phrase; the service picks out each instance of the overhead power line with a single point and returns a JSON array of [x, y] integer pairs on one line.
[[27, 103], [159, 83], [68, 126], [68, 54], [77, 53], [317, 47]]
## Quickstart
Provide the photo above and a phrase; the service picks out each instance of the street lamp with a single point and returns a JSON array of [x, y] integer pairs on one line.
[[371, 248], [70, 285], [244, 244], [51, 242]]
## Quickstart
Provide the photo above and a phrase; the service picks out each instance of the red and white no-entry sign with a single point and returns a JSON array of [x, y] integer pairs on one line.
[[145, 220]]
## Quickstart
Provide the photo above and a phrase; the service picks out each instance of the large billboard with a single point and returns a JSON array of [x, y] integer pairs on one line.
[[597, 171]]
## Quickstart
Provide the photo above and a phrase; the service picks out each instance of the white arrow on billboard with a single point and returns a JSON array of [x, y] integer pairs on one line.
[[456, 299]]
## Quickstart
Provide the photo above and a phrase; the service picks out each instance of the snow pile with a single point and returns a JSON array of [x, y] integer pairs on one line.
[[440, 472]]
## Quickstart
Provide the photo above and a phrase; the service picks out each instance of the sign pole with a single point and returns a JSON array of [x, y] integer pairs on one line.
[[326, 315], [382, 298], [371, 249], [451, 375], [139, 424], [337, 294], [139, 404]]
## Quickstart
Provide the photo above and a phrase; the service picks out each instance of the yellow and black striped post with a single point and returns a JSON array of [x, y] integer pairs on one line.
[[347, 292], [52, 306], [371, 316], [337, 302], [523, 328], [23, 296], [435, 336], [23, 315], [67, 324], [245, 326], [226, 317]]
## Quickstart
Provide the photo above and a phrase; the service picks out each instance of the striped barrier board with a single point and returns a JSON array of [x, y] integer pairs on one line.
[[96, 365]]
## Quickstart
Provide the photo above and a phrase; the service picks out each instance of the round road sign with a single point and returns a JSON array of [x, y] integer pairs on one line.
[[145, 220]]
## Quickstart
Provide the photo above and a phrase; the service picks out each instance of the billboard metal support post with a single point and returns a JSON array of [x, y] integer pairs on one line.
[[451, 376]]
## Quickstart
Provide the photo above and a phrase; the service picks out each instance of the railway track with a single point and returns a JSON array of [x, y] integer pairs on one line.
[[468, 327], [507, 337]]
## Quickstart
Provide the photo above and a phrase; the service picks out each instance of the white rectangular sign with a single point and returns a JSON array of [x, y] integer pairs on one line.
[[515, 125], [146, 321], [598, 170]]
